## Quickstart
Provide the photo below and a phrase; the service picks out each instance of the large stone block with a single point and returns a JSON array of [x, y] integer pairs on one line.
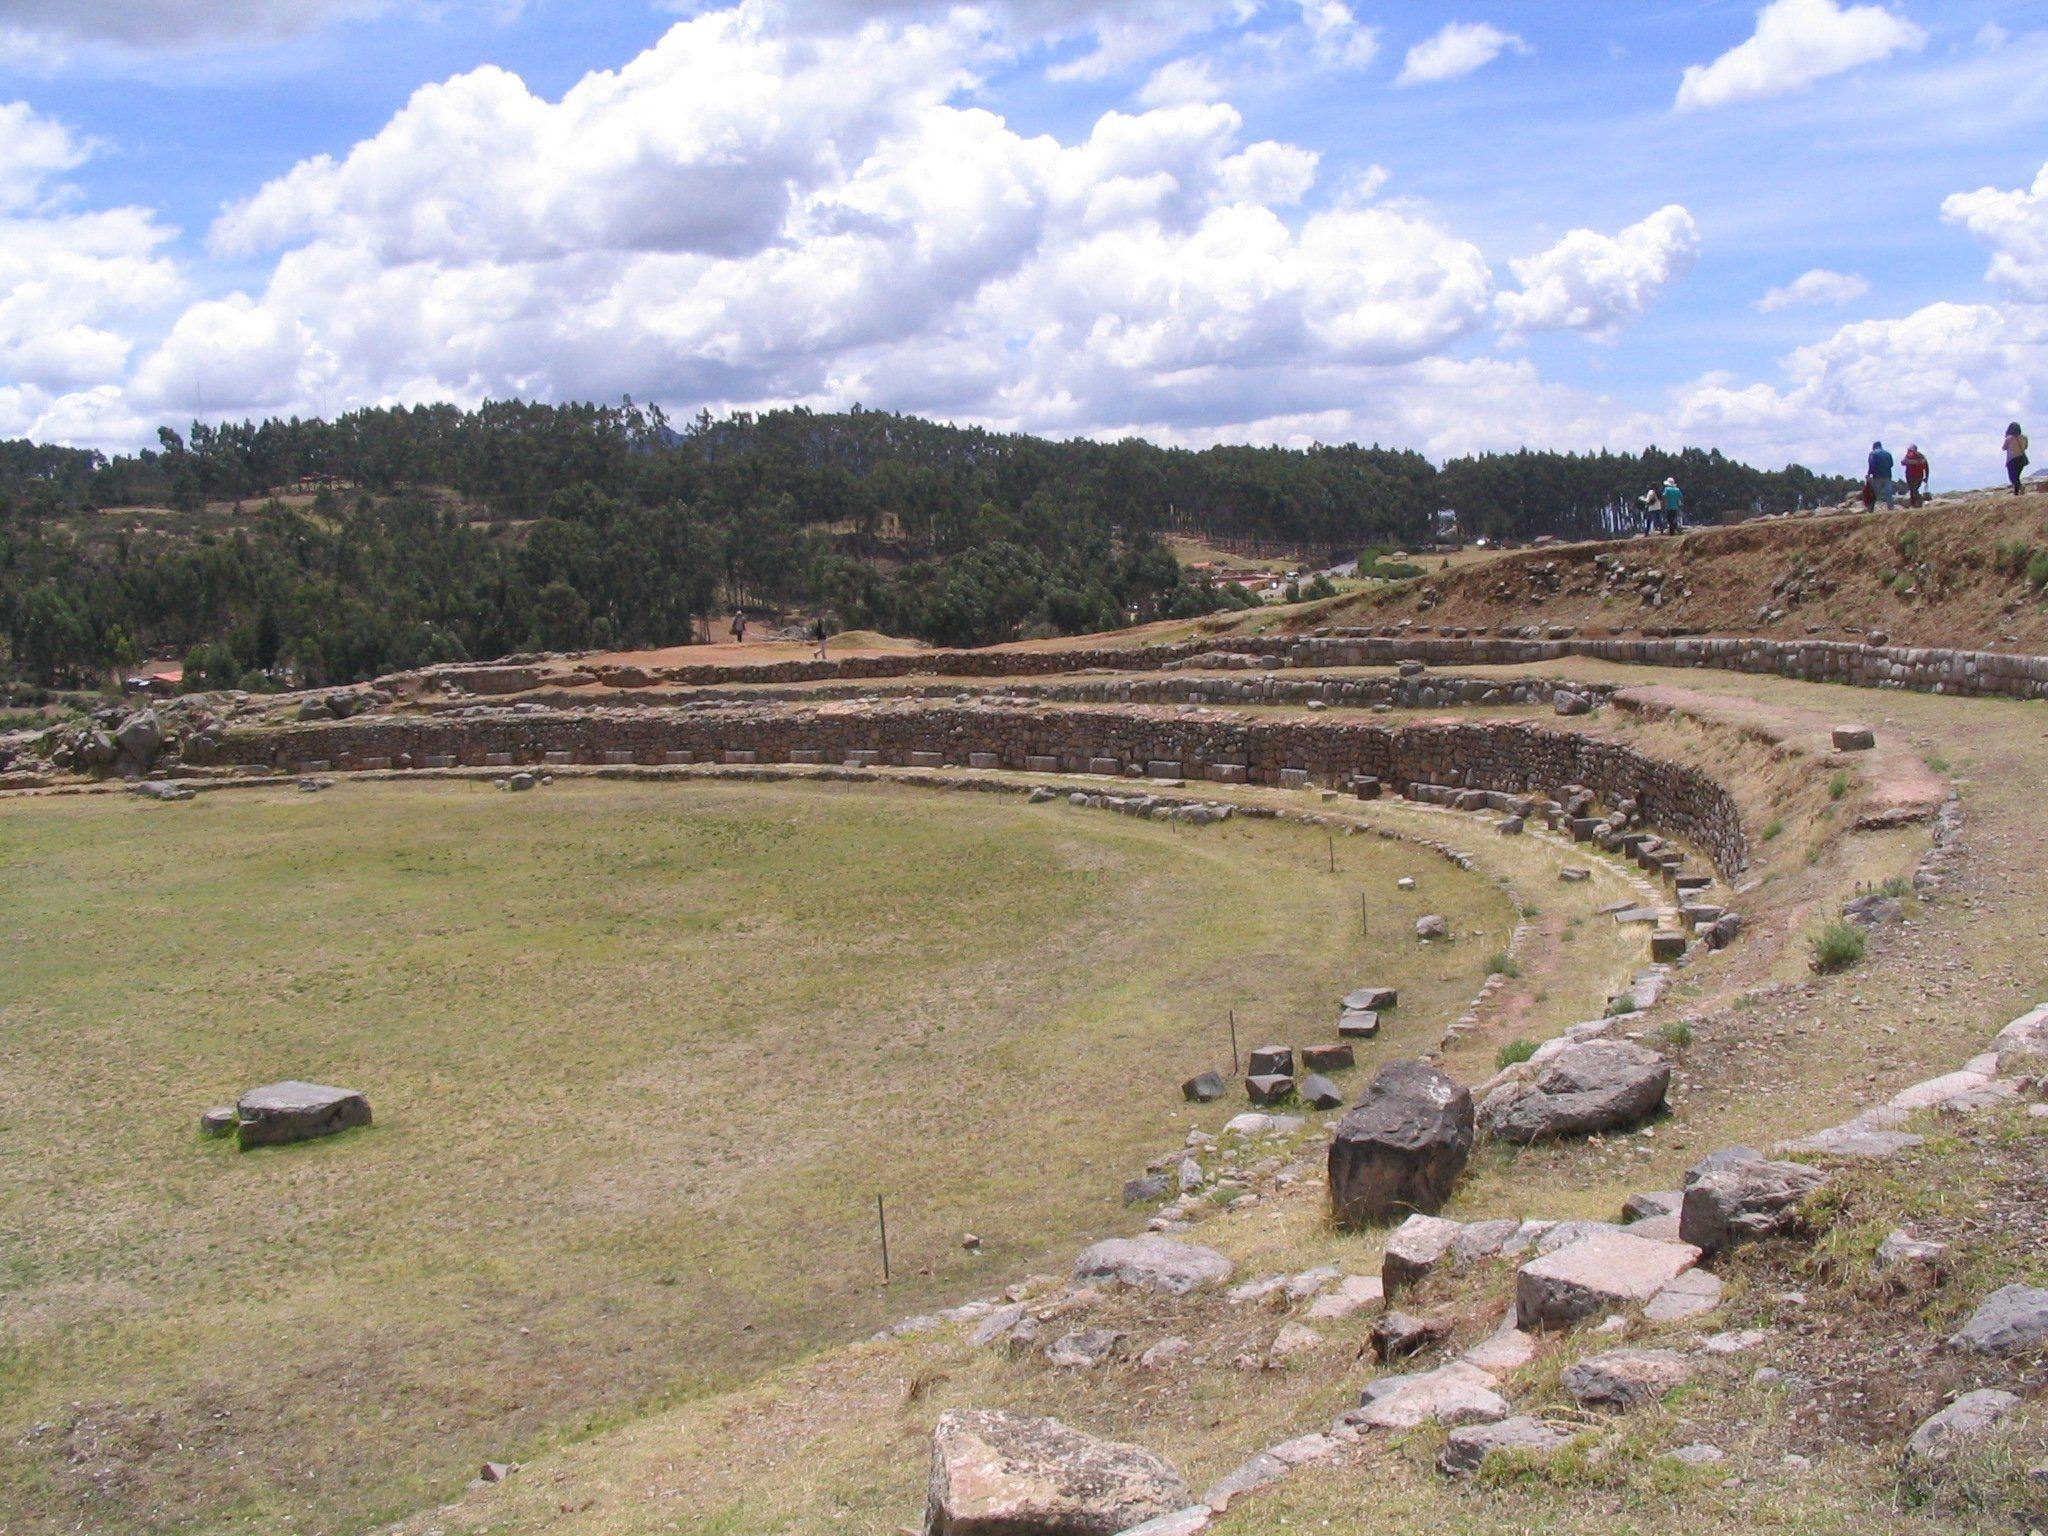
[[1402, 1148], [1596, 1275], [999, 1474], [293, 1111]]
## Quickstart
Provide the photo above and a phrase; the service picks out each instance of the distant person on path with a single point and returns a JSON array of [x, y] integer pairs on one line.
[[1674, 506], [2015, 455], [818, 635], [1881, 473], [1915, 465], [739, 626], [1651, 502]]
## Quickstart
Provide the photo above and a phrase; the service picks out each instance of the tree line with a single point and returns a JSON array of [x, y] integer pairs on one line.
[[437, 532]]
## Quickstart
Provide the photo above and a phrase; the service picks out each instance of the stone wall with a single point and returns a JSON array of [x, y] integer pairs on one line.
[[1511, 757], [1924, 669]]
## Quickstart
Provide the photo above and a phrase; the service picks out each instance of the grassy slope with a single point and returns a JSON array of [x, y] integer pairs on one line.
[[641, 1056]]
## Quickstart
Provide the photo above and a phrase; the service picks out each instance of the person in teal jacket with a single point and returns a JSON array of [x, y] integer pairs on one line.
[[1674, 506]]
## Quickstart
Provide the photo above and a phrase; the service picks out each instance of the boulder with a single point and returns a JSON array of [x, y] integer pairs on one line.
[[1571, 703], [217, 1121], [1152, 1262], [1624, 1378], [1270, 1061], [1328, 1058], [1269, 1089], [1370, 1000], [2010, 1319], [1965, 1418], [521, 781], [1401, 1149], [1415, 1248], [1854, 738], [1358, 1024], [1318, 1092], [1744, 1200], [1466, 1448], [1598, 1085], [140, 738], [1595, 1275], [294, 1111], [1432, 927], [1203, 1088], [1000, 1474]]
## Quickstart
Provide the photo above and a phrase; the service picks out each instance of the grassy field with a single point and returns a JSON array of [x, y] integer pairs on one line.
[[641, 1058]]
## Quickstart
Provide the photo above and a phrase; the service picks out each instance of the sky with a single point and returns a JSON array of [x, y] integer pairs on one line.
[[1783, 231]]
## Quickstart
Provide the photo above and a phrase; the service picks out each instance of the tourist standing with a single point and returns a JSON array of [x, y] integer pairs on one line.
[[818, 635], [1674, 505], [1881, 473], [2015, 455], [739, 626], [1915, 465]]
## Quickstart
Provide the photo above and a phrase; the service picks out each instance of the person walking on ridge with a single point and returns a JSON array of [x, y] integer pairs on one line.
[[2015, 455], [1881, 473], [1915, 466], [1674, 505]]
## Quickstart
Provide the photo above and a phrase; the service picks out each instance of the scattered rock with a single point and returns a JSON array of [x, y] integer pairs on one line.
[[1142, 1191], [1396, 1335], [998, 1474], [1402, 1148], [1269, 1090], [1085, 1348], [1169, 1349], [218, 1121], [1203, 1088], [1432, 927], [1152, 1262], [1450, 1395], [1699, 1454], [1597, 1085], [162, 789], [1270, 1061], [1693, 1294], [1318, 1092], [1744, 1199], [496, 1471], [1854, 738], [294, 1111], [2012, 1318], [1965, 1418], [1352, 1295], [1624, 1378], [1414, 1248], [1327, 1058], [1910, 1264], [1292, 1339], [1466, 1448]]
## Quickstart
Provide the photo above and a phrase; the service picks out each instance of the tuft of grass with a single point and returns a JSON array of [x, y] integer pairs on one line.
[[1513, 1054], [1837, 947], [1774, 829], [1898, 887], [1838, 785], [1937, 761], [1502, 963], [1676, 1032]]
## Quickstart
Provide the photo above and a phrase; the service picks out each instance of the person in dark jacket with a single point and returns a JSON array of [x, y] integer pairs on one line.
[[2015, 455], [1915, 466], [1881, 472]]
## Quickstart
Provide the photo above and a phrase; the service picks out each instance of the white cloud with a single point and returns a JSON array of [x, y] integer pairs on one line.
[[2015, 226], [72, 281], [1594, 282], [1948, 377], [1795, 43], [1819, 286], [1458, 49]]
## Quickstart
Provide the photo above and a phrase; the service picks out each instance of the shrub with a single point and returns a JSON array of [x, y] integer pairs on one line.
[[1513, 1053], [1678, 1032], [1937, 761], [2037, 569], [1838, 786], [1839, 946], [1502, 964], [1898, 887]]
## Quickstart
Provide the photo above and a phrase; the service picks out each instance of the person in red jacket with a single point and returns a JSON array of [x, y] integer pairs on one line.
[[1915, 466]]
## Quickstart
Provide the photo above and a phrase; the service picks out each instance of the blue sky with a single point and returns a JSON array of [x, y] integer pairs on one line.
[[1200, 220]]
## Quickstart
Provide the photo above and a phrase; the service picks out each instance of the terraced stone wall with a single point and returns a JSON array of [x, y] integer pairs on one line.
[[1507, 756], [1922, 669]]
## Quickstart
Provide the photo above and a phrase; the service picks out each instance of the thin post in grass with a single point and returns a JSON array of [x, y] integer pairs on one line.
[[1364, 927], [882, 1222], [1233, 1042], [1331, 839]]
